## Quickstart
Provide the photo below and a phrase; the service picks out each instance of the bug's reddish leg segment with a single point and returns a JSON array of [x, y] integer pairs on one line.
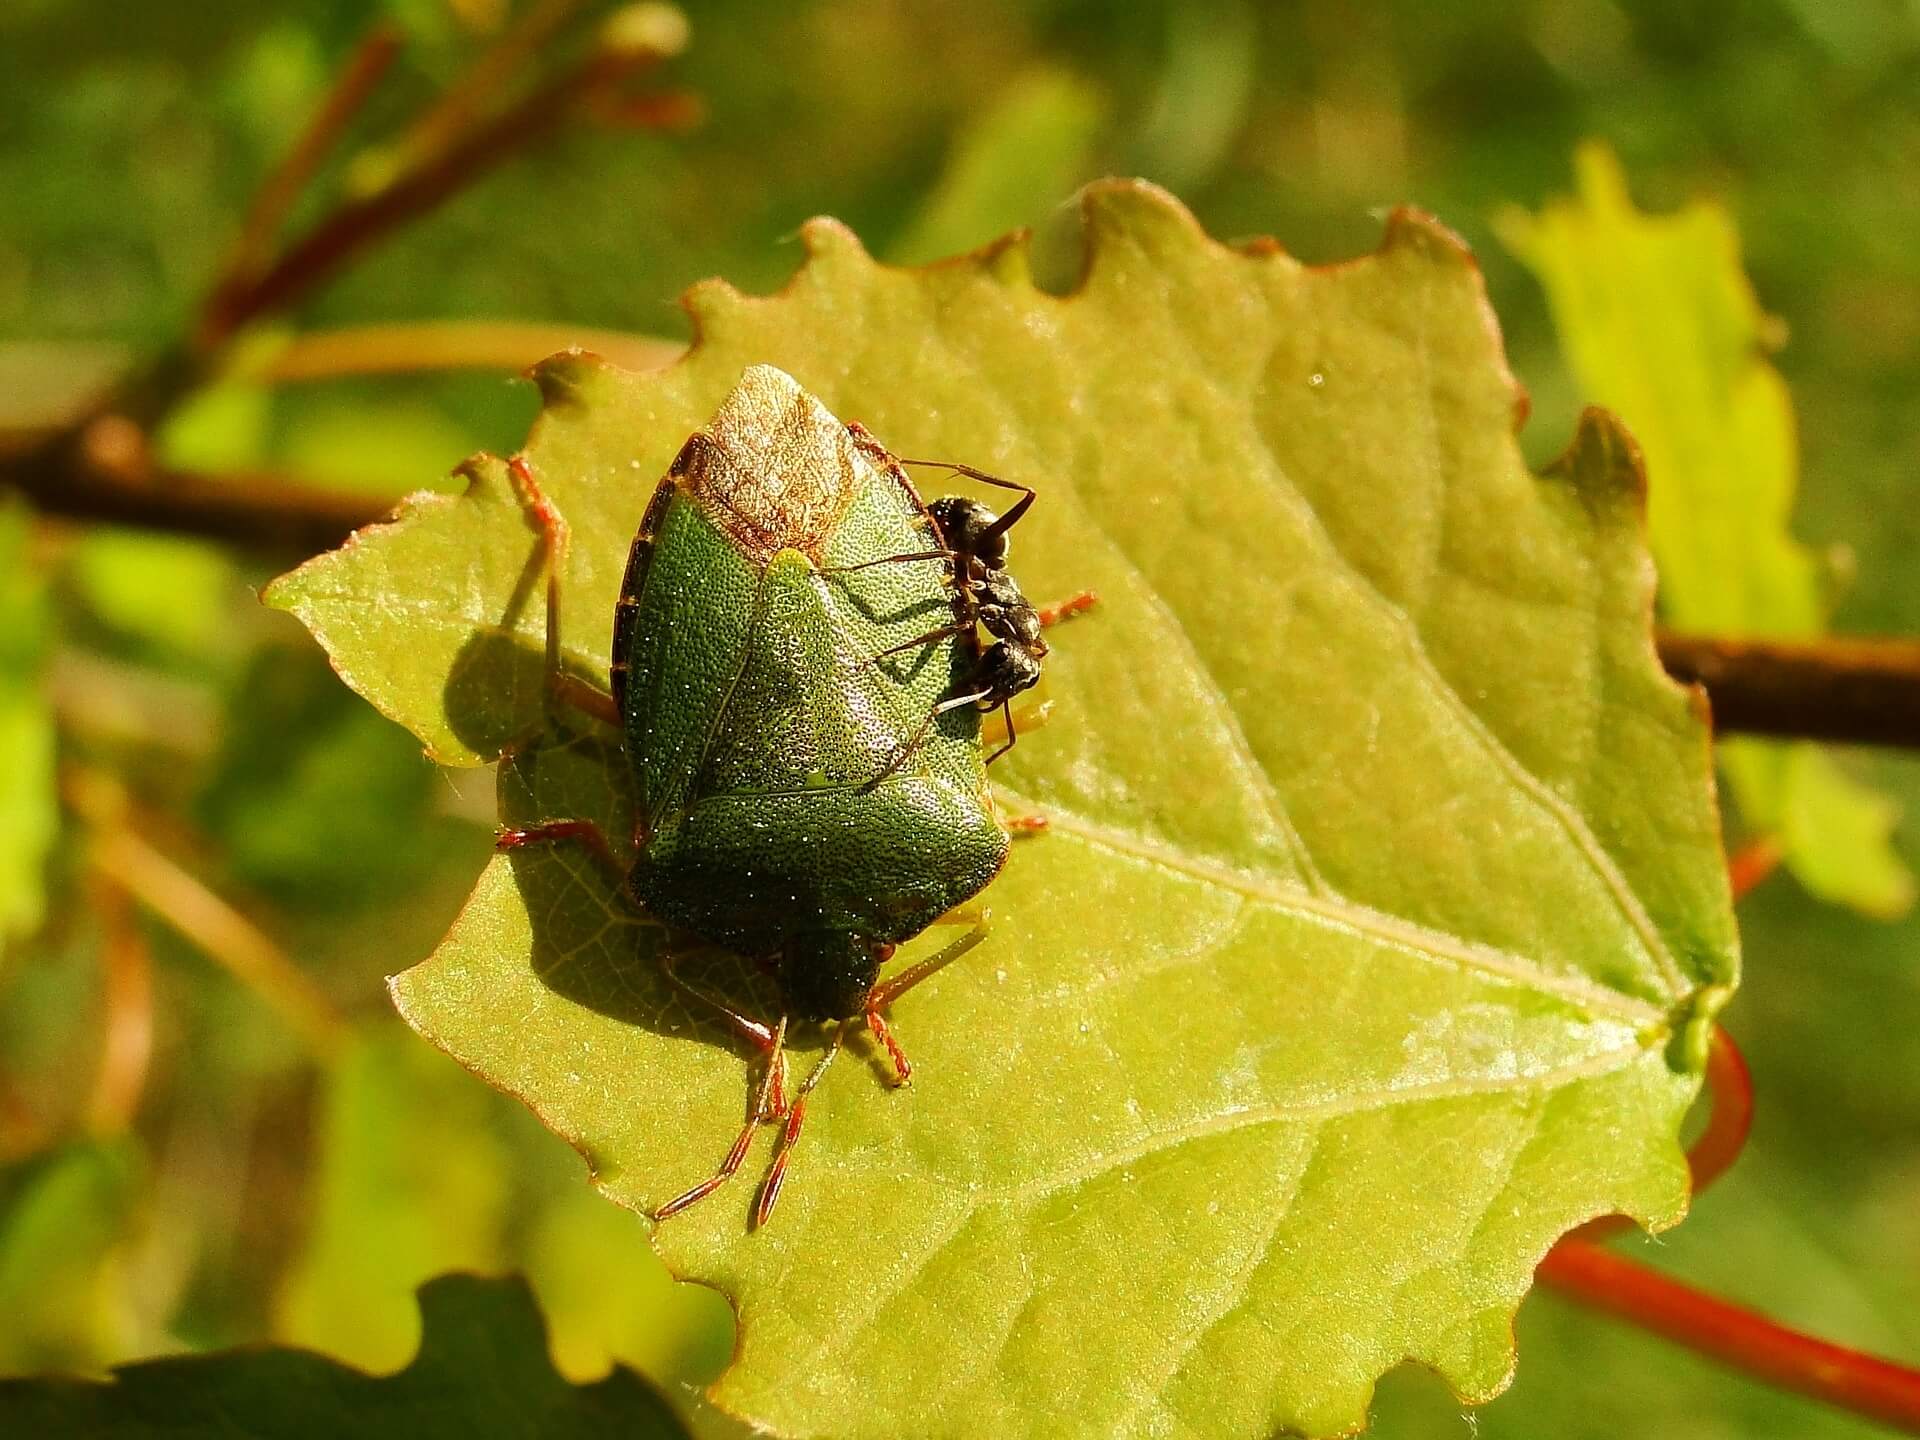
[[796, 1117], [768, 1040], [902, 1067], [556, 537], [888, 991], [585, 831], [756, 1114]]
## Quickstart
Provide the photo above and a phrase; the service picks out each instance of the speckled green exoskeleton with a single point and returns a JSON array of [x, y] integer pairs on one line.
[[799, 680]]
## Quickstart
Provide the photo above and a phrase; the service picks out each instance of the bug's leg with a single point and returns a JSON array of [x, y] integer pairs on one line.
[[767, 1039], [888, 991], [1021, 826], [739, 1151], [1066, 609], [585, 831], [555, 537], [796, 1117]]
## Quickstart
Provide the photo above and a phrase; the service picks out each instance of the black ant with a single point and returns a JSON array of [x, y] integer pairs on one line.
[[974, 539]]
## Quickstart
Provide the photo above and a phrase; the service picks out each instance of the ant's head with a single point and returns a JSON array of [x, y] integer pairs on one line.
[[968, 528]]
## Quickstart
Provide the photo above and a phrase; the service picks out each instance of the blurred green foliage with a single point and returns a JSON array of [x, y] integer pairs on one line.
[[130, 141]]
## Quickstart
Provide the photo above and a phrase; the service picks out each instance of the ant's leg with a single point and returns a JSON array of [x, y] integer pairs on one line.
[[927, 639], [796, 1117], [888, 991], [568, 689], [1013, 731], [1068, 608], [764, 1038], [728, 1166], [913, 741], [1019, 722], [1007, 521], [887, 560]]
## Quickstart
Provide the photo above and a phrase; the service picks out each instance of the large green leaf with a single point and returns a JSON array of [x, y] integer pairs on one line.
[[482, 1371], [1660, 324], [1381, 911]]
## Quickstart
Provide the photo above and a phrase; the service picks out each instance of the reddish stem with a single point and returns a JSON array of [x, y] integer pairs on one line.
[[325, 249], [1734, 1335], [282, 189], [1741, 1338], [1750, 865]]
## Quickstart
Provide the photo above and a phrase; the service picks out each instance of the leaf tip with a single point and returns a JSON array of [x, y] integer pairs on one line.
[[1603, 463], [1116, 208], [831, 242], [711, 304], [572, 377]]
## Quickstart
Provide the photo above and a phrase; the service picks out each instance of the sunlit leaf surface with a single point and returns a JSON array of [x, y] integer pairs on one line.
[[1381, 910]]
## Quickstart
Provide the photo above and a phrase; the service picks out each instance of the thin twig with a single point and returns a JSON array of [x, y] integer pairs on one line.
[[409, 348], [283, 187], [227, 937], [263, 511], [336, 240], [1735, 1336], [1863, 691], [491, 71], [178, 898], [126, 1044]]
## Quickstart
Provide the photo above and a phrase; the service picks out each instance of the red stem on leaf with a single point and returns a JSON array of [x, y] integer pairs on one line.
[[1729, 1333]]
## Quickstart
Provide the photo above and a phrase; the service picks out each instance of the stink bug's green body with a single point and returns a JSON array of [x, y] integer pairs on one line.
[[799, 682], [794, 800]]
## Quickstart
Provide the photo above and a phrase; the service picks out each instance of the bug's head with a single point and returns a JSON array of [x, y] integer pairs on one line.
[[826, 974]]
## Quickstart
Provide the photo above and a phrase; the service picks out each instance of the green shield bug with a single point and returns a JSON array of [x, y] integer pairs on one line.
[[799, 680]]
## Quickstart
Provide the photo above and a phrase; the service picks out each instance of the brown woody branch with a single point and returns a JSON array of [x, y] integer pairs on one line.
[[1860, 691], [1852, 690], [342, 236]]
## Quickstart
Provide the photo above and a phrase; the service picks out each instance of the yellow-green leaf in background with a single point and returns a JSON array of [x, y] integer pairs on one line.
[[1381, 912], [1660, 324], [29, 812], [412, 1182], [1009, 164], [608, 1297], [67, 1222]]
